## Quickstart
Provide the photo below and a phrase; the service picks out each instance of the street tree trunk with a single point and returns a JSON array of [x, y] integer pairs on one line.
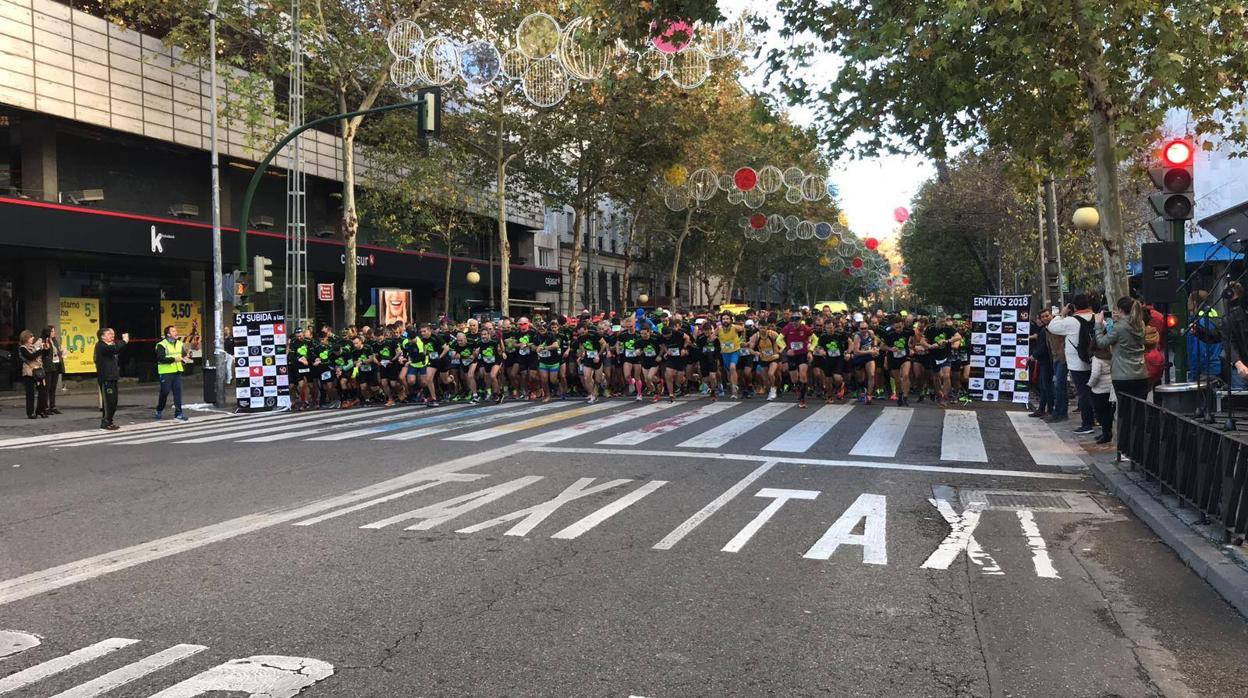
[[446, 288], [630, 247], [502, 160], [578, 246], [680, 241], [350, 218]]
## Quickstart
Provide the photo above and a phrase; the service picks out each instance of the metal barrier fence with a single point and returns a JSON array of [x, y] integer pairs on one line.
[[1202, 465]]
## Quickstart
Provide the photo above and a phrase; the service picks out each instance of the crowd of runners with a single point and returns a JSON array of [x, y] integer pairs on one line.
[[656, 355]]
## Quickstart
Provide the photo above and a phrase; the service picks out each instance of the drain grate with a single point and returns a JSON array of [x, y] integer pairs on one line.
[[1025, 501]]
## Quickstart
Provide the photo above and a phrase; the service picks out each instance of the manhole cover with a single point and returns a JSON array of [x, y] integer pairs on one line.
[[1025, 501], [1064, 501]]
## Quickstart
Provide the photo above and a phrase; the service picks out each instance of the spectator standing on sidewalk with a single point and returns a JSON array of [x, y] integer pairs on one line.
[[1101, 391], [1075, 327], [53, 364], [107, 373], [30, 353], [1124, 336], [171, 356], [1043, 379], [1060, 383]]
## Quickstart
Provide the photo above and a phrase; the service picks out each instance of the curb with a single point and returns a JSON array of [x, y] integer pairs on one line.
[[1197, 552]]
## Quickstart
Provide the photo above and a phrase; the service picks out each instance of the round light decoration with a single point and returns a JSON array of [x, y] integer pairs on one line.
[[758, 221], [725, 183], [872, 244], [675, 37], [813, 188], [834, 242], [790, 234], [703, 184], [514, 64], [791, 221], [736, 196], [770, 179], [652, 64], [676, 200], [900, 214], [857, 262], [538, 35], [775, 222], [754, 198], [805, 230], [823, 230], [676, 175], [405, 72], [480, 63], [545, 84], [582, 54], [689, 69], [405, 38], [721, 40], [439, 61], [793, 196], [745, 179], [838, 264], [793, 177]]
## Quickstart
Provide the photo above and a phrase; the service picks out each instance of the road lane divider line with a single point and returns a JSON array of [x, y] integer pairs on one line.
[[492, 416]]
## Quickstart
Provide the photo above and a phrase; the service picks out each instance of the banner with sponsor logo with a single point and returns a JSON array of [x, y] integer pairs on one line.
[[188, 317], [1000, 327], [79, 323], [261, 376]]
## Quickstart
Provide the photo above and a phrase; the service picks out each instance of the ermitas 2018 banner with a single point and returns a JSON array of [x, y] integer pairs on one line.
[[261, 376], [1000, 348]]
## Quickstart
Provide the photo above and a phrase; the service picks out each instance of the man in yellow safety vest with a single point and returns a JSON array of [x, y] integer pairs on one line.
[[171, 356]]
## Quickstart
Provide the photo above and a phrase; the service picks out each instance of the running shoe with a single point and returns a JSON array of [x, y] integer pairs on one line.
[[474, 399], [771, 395], [592, 399], [801, 404]]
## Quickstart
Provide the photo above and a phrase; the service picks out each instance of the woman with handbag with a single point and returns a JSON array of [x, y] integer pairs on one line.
[[53, 364], [30, 353]]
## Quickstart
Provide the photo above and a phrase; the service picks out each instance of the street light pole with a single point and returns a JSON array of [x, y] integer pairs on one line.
[[218, 270]]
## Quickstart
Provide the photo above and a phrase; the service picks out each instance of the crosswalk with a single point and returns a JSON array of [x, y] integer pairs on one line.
[[955, 435]]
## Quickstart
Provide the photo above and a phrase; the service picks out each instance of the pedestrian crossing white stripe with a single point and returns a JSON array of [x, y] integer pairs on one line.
[[661, 427], [533, 423], [575, 430], [884, 435], [433, 417], [328, 418], [131, 672], [801, 436], [284, 419], [39, 672], [493, 416], [71, 436], [162, 427], [960, 438], [734, 428], [1044, 445], [374, 418]]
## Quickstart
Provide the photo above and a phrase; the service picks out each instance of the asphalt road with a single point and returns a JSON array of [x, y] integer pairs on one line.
[[748, 550]]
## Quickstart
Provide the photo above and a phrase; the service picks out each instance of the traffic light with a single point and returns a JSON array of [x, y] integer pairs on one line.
[[1172, 321], [261, 273], [236, 282], [1174, 175]]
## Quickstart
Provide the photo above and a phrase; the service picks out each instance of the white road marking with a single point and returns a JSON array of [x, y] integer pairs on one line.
[[261, 676], [352, 416], [960, 438], [885, 434], [661, 427], [276, 422], [493, 416], [450, 477], [65, 662], [441, 512], [961, 538], [390, 415], [131, 672], [833, 463], [533, 423], [1039, 551], [805, 433], [1044, 445], [733, 428], [99, 565], [538, 513], [779, 497], [872, 511], [592, 425], [945, 497], [587, 523], [715, 505], [15, 642], [93, 436]]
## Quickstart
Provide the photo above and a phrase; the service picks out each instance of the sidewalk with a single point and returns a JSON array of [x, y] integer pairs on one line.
[[80, 407], [1225, 567]]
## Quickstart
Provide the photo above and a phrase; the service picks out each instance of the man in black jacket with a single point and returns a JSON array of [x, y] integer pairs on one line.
[[107, 373], [1042, 358]]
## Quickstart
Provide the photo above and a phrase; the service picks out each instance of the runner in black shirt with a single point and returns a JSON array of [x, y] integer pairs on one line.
[[649, 351], [897, 345]]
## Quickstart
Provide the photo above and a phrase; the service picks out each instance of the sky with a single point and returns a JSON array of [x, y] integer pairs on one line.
[[870, 188]]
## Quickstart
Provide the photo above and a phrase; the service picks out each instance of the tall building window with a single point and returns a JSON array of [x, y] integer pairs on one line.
[[545, 258]]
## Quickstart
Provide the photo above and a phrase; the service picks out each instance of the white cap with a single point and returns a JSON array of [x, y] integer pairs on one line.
[[857, 317], [749, 323], [699, 321]]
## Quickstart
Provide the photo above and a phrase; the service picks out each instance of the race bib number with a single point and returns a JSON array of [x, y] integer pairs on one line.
[[797, 346], [591, 354], [385, 362], [543, 354], [899, 353], [673, 352], [327, 376], [630, 353], [650, 351], [729, 347], [524, 351]]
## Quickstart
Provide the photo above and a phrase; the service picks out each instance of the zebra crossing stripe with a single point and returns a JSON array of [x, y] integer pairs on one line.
[[734, 428], [432, 417], [1044, 445], [575, 430], [389, 415], [97, 436], [884, 435], [661, 427], [281, 421], [805, 433], [65, 662], [533, 423], [131, 672], [60, 439], [960, 438], [329, 421], [493, 416]]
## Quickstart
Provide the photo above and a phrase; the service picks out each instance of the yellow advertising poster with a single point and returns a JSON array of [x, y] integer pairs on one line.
[[187, 316], [80, 320]]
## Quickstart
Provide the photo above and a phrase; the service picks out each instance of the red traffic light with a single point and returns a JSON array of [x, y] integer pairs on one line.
[[1177, 153], [1172, 322]]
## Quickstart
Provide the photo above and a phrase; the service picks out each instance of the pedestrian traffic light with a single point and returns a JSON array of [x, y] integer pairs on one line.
[[1173, 174], [261, 273], [237, 284], [1172, 321]]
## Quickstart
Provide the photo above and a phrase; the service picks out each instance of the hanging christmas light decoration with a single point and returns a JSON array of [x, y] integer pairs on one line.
[[703, 184], [745, 178], [405, 72], [652, 64], [793, 196], [538, 35], [581, 53], [514, 64], [872, 244], [404, 38], [480, 63], [754, 198], [813, 188], [689, 69], [545, 83], [675, 37]]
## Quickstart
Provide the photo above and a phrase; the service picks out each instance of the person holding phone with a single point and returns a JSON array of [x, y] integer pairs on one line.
[[107, 373]]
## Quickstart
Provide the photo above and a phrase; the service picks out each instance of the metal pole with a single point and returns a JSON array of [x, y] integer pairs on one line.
[[1178, 232], [223, 364]]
